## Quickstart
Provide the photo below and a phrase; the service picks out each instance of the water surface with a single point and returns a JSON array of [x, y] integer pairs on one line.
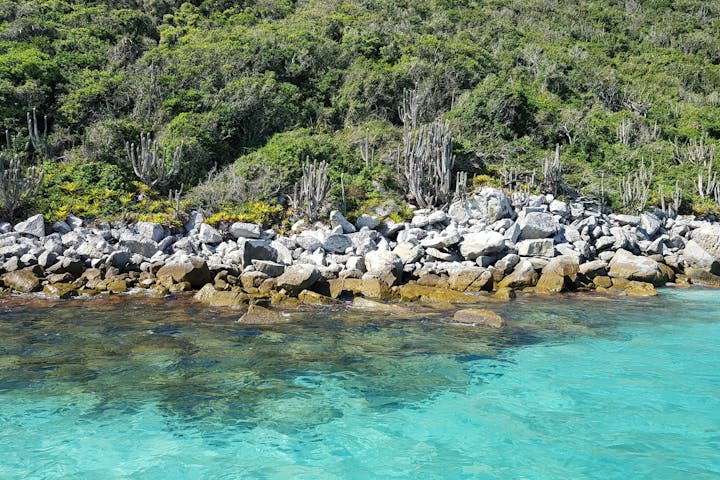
[[132, 388]]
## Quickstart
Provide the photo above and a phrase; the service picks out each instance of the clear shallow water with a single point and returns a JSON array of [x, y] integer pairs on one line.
[[575, 388]]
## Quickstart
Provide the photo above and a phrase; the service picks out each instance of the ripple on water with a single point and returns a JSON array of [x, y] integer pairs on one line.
[[573, 388]]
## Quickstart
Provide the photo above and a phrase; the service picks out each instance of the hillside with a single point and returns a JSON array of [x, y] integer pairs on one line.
[[245, 92]]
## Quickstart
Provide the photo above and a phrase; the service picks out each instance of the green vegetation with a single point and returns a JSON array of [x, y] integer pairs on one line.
[[249, 90]]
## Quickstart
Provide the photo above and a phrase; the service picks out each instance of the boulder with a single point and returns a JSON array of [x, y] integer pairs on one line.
[[478, 318], [470, 279], [650, 224], [386, 266], [368, 221], [60, 290], [337, 243], [542, 247], [564, 266], [257, 315], [257, 250], [245, 230], [594, 268], [138, 244], [408, 252], [34, 226], [23, 281], [209, 234], [297, 278], [632, 267], [61, 227], [479, 244], [411, 292], [271, 269], [308, 297], [153, 231], [622, 220], [193, 271], [697, 257], [524, 275], [211, 297], [559, 208], [537, 225], [489, 205], [337, 220], [550, 283], [708, 237]]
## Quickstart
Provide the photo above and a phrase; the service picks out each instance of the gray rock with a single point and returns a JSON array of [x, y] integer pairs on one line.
[[386, 266], [47, 259], [539, 247], [151, 230], [257, 250], [419, 221], [356, 263], [438, 216], [308, 242], [5, 227], [193, 270], [271, 269], [337, 243], [74, 221], [559, 208], [209, 234], [194, 221], [650, 224], [482, 243], [138, 244], [61, 227], [696, 256], [34, 226], [284, 254], [408, 252], [489, 205], [708, 237], [622, 220], [604, 243], [368, 221], [632, 267], [537, 225], [337, 219], [245, 230], [298, 278], [442, 255], [594, 268]]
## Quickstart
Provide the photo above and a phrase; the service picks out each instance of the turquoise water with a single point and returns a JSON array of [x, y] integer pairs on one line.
[[572, 389]]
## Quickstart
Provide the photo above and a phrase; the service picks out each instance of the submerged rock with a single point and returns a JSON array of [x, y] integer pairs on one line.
[[257, 315], [479, 318]]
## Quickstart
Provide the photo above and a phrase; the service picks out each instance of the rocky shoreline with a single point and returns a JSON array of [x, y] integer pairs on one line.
[[480, 247]]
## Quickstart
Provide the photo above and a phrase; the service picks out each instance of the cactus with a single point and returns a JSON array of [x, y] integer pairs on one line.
[[150, 166], [428, 163], [17, 184], [312, 190], [38, 138], [635, 187]]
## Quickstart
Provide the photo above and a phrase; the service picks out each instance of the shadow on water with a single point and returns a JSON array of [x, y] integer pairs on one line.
[[201, 367]]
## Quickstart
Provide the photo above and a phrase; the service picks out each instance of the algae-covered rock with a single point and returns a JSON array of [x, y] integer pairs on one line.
[[309, 297], [257, 315], [634, 288], [413, 292], [211, 297], [117, 286], [478, 317], [470, 279], [23, 281], [60, 290], [524, 275], [549, 283], [505, 293]]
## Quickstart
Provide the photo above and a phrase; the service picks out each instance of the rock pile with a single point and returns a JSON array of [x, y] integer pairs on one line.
[[483, 243]]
